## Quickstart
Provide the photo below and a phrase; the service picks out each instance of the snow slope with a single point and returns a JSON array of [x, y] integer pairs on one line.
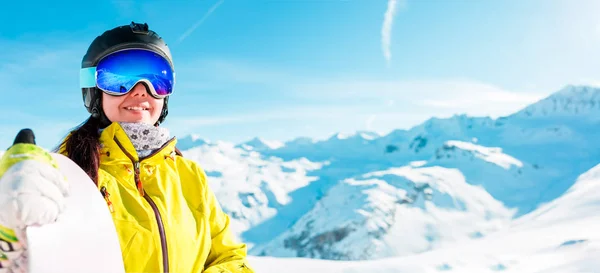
[[568, 102], [424, 207], [249, 187], [559, 237], [364, 218], [517, 184]]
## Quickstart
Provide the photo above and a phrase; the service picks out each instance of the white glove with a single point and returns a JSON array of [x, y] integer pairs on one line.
[[32, 193]]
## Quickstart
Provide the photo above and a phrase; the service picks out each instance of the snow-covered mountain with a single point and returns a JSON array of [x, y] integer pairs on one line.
[[558, 237], [446, 181], [250, 187], [515, 183], [571, 101], [365, 217], [190, 141], [259, 144], [339, 145]]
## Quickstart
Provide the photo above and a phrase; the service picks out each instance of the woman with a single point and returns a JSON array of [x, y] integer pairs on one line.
[[160, 201]]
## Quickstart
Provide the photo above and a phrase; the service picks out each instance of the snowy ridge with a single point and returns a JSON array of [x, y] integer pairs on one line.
[[259, 144], [347, 146], [190, 141], [581, 201], [247, 185], [505, 177], [569, 101], [422, 140], [549, 240], [456, 179], [519, 164], [365, 135], [493, 155], [360, 218]]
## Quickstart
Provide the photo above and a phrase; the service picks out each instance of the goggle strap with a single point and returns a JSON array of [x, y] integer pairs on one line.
[[87, 77]]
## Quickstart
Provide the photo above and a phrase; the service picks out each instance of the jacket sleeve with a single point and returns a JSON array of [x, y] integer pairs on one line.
[[12, 252], [226, 253]]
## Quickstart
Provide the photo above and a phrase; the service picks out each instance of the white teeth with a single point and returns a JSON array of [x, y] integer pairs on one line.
[[136, 108]]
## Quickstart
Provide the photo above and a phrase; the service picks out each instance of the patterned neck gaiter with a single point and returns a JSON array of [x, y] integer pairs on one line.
[[145, 137]]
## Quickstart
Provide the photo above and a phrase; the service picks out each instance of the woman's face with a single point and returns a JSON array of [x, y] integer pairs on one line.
[[136, 106]]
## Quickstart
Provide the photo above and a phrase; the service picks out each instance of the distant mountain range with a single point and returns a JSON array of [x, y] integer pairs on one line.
[[365, 196]]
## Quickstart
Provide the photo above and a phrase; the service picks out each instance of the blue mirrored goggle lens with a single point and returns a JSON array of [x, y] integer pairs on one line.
[[118, 73]]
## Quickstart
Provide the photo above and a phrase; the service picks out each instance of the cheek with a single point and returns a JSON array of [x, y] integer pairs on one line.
[[110, 105], [158, 106]]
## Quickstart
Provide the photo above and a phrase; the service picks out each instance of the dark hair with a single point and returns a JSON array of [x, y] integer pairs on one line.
[[82, 146]]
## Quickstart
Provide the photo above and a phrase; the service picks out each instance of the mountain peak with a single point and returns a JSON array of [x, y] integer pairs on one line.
[[581, 91], [260, 144], [301, 141], [366, 135], [572, 100], [190, 141]]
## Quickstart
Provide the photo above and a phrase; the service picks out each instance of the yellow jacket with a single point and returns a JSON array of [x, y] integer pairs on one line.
[[166, 216]]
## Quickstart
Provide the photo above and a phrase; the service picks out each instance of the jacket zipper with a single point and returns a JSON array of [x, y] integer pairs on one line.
[[139, 186], [161, 230]]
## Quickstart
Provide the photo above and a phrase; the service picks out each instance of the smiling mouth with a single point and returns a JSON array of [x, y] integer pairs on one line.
[[136, 108]]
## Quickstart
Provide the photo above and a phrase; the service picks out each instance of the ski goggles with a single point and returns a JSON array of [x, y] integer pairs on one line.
[[117, 73]]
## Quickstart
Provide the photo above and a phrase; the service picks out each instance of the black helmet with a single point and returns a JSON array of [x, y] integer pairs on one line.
[[134, 35]]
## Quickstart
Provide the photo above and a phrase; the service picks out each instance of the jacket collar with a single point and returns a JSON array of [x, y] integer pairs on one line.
[[116, 145]]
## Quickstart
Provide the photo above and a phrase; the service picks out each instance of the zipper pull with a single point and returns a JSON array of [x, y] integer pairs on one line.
[[106, 196], [138, 181]]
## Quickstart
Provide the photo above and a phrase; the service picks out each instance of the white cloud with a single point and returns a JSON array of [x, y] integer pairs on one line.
[[474, 96], [414, 102], [458, 96], [272, 114], [405, 103], [386, 29], [199, 22], [316, 121]]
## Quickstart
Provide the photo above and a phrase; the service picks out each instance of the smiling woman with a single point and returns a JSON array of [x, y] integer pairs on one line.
[[167, 219]]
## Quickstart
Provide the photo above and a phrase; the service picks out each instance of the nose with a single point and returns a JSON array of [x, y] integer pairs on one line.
[[139, 90]]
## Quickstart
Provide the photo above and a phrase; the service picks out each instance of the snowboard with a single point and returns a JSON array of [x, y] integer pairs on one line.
[[83, 239]]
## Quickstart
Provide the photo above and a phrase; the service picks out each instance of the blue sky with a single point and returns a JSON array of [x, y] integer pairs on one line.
[[281, 69]]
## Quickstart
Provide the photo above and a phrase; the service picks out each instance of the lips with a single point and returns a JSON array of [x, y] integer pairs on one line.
[[137, 108]]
